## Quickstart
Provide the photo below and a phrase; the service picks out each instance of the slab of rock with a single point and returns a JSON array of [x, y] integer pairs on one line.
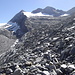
[[17, 72]]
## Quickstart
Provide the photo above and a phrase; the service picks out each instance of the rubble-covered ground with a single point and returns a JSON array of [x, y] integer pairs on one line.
[[47, 49]]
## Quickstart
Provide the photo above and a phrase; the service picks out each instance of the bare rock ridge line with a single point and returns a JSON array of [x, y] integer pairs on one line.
[[53, 11]]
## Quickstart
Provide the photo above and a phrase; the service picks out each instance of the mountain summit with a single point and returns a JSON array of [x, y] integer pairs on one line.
[[19, 17], [18, 23], [50, 11]]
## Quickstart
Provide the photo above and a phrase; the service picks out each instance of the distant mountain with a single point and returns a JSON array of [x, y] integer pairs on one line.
[[50, 11], [71, 11]]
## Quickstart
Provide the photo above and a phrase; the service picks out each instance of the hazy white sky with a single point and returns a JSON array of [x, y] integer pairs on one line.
[[8, 8]]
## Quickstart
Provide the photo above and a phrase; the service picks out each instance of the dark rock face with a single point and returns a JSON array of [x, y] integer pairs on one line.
[[49, 11], [37, 10], [20, 19], [17, 73], [47, 49]]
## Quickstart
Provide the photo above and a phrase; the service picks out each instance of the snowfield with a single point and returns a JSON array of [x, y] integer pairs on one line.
[[29, 14], [2, 24], [64, 15]]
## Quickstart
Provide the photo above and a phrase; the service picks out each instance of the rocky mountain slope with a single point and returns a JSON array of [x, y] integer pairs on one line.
[[46, 49], [71, 11]]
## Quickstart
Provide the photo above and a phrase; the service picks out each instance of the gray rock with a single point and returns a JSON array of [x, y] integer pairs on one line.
[[9, 71], [46, 56], [73, 73], [28, 63], [39, 59], [17, 72]]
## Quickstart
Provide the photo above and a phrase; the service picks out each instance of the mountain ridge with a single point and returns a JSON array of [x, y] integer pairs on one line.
[[50, 10]]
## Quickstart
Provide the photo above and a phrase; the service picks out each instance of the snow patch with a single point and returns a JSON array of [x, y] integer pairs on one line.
[[15, 43], [46, 72], [12, 26], [29, 14], [68, 38], [71, 28], [74, 19], [71, 66], [70, 45], [64, 15], [55, 38], [64, 65], [2, 24], [68, 66]]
